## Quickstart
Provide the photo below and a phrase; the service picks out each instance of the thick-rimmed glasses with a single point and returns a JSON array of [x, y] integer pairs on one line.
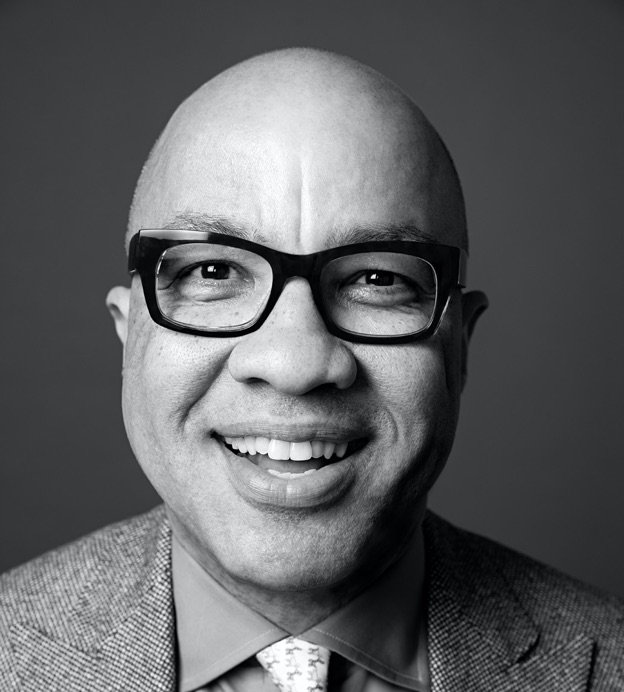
[[213, 284]]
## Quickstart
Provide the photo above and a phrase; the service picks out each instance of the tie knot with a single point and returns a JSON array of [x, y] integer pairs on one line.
[[296, 665]]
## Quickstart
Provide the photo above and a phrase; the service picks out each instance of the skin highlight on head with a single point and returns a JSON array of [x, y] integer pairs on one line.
[[303, 149]]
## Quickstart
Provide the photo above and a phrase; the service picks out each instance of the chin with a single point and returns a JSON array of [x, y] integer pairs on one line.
[[286, 580], [289, 568]]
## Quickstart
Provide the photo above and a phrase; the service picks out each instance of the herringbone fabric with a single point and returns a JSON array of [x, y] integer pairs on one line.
[[97, 616], [296, 665]]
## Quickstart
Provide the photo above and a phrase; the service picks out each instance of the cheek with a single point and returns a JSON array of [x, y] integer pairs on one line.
[[414, 394], [410, 383], [165, 373]]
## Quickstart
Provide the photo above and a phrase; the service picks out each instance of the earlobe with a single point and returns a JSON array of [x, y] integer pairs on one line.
[[474, 303], [118, 304]]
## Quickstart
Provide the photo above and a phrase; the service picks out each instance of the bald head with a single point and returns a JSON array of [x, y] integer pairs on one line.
[[295, 130]]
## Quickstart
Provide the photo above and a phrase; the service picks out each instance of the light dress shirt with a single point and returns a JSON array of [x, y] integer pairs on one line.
[[378, 640]]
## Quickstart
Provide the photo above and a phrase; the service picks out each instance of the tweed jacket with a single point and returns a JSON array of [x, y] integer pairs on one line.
[[98, 615]]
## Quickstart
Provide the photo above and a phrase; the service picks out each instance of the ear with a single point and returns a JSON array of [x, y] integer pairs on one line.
[[473, 304], [118, 304]]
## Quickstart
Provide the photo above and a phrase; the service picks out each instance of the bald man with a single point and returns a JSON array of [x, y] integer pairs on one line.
[[294, 348]]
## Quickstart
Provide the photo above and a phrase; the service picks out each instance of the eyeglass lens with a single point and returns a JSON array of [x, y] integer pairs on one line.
[[222, 288]]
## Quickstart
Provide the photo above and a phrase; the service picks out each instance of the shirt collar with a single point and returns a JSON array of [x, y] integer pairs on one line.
[[215, 631], [381, 630]]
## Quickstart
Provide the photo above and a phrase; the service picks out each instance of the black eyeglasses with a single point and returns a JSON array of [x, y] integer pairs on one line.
[[212, 284]]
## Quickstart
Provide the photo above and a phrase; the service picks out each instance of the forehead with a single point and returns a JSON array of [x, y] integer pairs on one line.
[[302, 174]]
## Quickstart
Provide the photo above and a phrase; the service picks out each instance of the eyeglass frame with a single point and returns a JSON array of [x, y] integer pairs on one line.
[[147, 246]]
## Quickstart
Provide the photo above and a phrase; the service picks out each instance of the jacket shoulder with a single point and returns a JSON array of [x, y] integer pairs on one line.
[[98, 572], [558, 604]]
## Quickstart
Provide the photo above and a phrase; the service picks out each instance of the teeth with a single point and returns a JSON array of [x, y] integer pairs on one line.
[[341, 449], [279, 449], [300, 451], [318, 447], [262, 445], [283, 450], [287, 474]]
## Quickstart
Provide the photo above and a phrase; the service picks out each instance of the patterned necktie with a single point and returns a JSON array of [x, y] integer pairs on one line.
[[296, 665]]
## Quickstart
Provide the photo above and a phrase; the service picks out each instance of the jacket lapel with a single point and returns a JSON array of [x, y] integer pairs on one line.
[[133, 653], [566, 668], [140, 654], [480, 635]]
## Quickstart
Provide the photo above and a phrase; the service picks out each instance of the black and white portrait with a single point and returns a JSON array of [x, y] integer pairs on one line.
[[312, 346]]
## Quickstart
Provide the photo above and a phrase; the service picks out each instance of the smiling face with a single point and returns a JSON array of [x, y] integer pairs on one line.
[[300, 151]]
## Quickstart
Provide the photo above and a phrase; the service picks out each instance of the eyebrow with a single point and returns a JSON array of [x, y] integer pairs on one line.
[[217, 224], [360, 234], [366, 234]]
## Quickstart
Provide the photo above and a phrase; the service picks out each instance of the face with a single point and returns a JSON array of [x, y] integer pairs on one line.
[[395, 405]]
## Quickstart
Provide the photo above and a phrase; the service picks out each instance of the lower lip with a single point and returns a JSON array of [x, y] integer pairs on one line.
[[311, 490]]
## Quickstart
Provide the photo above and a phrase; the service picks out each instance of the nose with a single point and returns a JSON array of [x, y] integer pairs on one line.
[[293, 351]]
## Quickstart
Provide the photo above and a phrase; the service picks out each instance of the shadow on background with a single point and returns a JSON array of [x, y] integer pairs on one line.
[[528, 96]]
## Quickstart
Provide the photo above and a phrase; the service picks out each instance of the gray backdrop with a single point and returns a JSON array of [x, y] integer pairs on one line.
[[528, 96]]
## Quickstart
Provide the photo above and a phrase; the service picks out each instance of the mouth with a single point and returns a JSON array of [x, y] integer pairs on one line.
[[290, 459]]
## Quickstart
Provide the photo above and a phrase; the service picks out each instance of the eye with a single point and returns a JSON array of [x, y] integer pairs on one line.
[[214, 270], [378, 278], [381, 288], [381, 278]]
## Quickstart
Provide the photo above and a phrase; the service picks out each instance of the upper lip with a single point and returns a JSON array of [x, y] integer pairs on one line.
[[292, 432]]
